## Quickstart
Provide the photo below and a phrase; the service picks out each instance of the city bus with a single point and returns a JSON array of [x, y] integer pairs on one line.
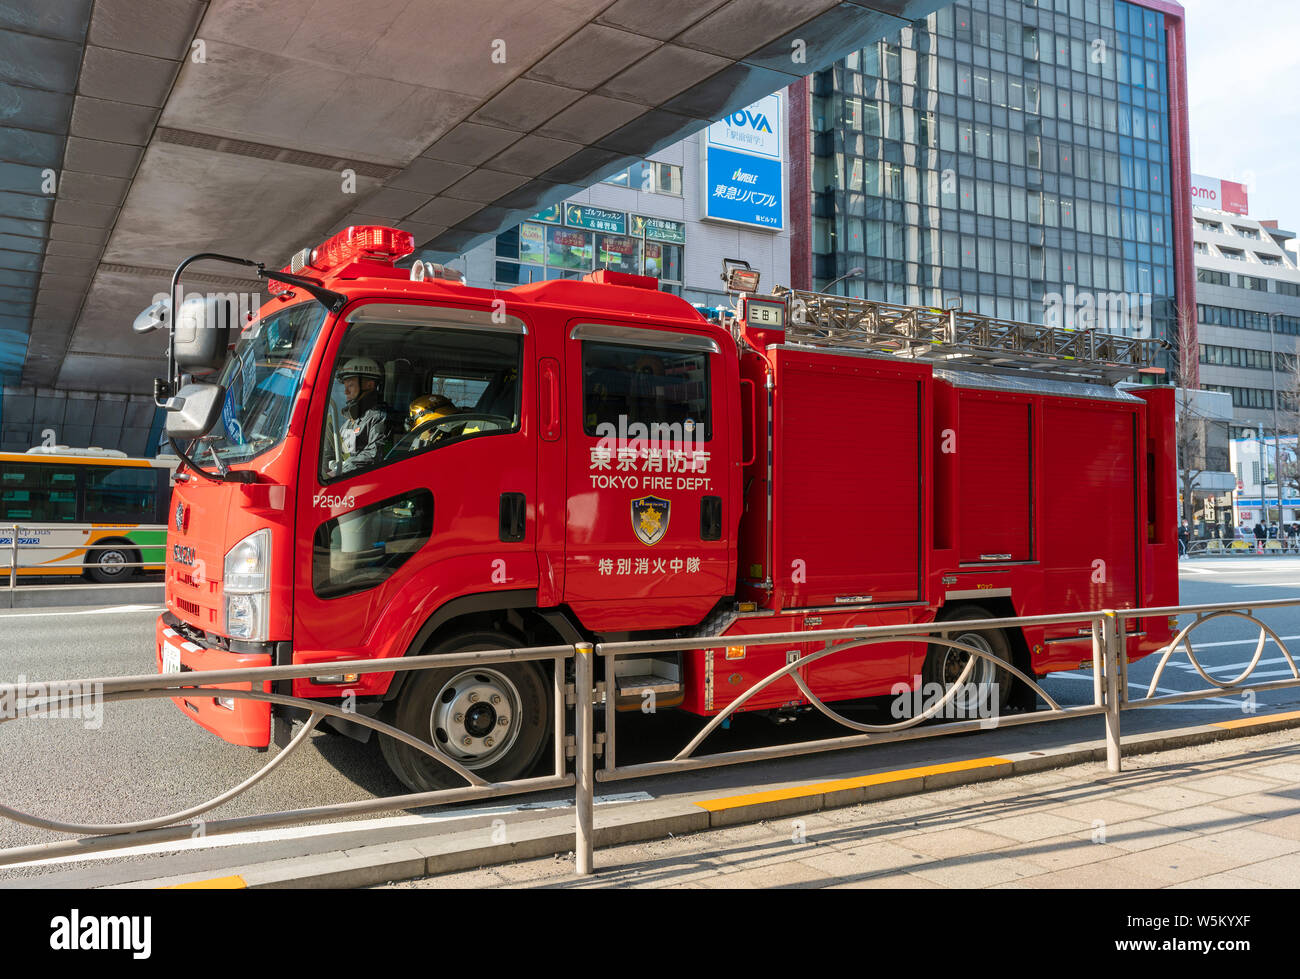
[[64, 501]]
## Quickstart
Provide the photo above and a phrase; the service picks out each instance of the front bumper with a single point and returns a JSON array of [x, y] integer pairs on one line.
[[249, 722]]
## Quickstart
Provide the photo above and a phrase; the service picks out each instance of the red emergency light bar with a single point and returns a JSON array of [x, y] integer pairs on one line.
[[363, 241]]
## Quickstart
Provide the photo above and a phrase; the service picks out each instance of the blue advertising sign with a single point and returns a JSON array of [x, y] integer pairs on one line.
[[743, 188], [744, 179]]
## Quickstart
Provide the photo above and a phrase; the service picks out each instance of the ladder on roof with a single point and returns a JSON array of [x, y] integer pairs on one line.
[[953, 338]]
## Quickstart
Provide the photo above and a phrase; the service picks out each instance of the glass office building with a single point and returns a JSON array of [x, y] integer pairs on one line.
[[1026, 160]]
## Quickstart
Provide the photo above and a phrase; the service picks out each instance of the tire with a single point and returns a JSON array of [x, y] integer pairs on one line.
[[943, 665], [111, 563], [444, 707]]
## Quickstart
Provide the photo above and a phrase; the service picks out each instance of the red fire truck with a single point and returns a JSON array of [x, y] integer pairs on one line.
[[390, 462]]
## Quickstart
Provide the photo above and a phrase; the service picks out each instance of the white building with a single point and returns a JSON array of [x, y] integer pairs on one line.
[[1248, 317]]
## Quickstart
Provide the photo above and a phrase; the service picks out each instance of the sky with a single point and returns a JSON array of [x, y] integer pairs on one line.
[[1243, 74]]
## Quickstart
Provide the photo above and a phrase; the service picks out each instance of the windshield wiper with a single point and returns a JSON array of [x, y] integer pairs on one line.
[[221, 466]]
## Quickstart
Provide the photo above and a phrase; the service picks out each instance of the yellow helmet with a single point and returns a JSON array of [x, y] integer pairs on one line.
[[427, 408]]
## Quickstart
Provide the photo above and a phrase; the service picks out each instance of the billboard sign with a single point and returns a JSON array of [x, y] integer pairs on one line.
[[1220, 195], [660, 229], [551, 215], [744, 166], [595, 218]]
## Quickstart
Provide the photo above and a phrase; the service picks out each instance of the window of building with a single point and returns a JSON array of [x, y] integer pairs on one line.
[[1252, 282], [1245, 397], [619, 253], [536, 252], [664, 262], [668, 179], [1288, 288], [1268, 259], [649, 177], [1244, 357], [1246, 232], [1209, 225], [1232, 254], [1213, 278]]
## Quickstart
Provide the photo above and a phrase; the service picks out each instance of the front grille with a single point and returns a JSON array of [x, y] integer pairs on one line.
[[190, 607]]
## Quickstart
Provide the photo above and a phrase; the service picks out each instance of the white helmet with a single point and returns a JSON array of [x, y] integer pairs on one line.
[[361, 367]]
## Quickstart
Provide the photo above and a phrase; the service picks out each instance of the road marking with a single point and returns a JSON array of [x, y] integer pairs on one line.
[[1274, 570], [112, 610], [215, 884], [818, 788], [1207, 704], [1256, 721], [324, 829], [1271, 661], [1236, 642]]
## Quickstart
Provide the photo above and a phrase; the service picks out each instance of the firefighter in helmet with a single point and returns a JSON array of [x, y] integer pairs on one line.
[[366, 427], [421, 418]]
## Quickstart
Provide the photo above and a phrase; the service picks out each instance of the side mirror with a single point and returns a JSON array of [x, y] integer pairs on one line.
[[152, 318], [202, 333], [197, 408]]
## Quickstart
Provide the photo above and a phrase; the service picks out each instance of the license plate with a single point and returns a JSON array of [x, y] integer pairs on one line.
[[171, 659]]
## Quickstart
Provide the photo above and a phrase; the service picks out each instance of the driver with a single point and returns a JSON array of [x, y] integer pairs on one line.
[[366, 426], [421, 418]]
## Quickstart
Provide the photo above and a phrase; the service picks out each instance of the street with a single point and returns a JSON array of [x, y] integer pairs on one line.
[[147, 759]]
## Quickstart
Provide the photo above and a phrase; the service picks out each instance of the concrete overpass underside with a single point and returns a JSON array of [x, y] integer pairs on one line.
[[255, 128]]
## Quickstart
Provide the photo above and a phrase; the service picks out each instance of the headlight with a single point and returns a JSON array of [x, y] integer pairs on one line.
[[246, 617], [246, 563], [246, 584]]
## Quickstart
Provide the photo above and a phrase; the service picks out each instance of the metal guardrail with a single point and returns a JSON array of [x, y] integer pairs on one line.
[[1107, 628], [1243, 547]]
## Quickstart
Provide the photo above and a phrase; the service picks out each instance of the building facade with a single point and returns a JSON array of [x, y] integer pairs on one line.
[[1255, 463], [1248, 331], [1026, 160], [1248, 319], [719, 193]]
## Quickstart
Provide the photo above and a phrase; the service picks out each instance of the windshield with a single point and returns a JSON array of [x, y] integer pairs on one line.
[[261, 379]]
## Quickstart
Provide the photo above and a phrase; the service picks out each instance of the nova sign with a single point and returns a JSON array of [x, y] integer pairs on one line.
[[744, 171]]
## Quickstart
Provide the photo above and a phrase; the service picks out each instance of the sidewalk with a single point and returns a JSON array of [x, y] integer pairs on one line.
[[1223, 815]]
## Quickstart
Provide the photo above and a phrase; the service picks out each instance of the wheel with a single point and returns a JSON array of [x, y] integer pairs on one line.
[[494, 720], [111, 564], [988, 690]]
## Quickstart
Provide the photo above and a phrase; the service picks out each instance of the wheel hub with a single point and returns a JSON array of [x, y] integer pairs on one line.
[[480, 720], [983, 673], [476, 717]]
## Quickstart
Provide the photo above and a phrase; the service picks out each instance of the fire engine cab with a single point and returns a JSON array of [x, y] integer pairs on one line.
[[383, 462]]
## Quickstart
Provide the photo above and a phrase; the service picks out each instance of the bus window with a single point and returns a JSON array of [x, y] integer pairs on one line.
[[126, 495], [38, 494]]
